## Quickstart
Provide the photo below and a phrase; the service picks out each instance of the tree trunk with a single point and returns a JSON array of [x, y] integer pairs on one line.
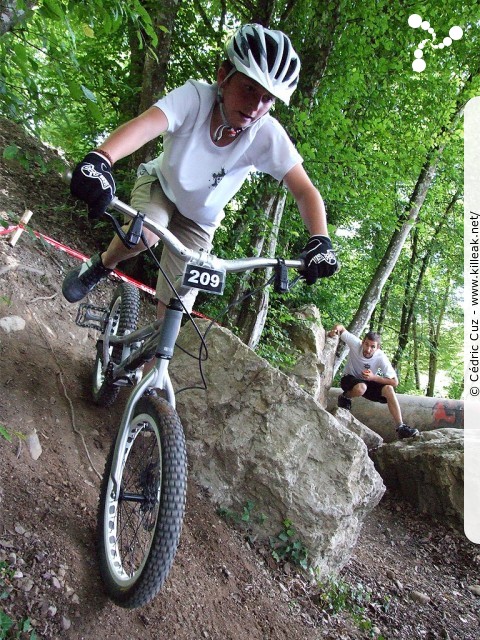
[[415, 355], [434, 334], [155, 67], [317, 48], [410, 298], [263, 298], [382, 308], [387, 264], [251, 317]]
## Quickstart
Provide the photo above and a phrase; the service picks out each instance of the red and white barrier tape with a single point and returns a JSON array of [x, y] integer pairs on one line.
[[77, 254], [81, 256]]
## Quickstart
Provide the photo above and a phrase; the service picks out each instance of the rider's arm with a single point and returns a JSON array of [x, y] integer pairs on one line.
[[308, 199], [135, 133]]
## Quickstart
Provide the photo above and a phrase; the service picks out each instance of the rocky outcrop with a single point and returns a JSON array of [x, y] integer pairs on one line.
[[371, 439], [255, 435], [427, 471], [313, 369]]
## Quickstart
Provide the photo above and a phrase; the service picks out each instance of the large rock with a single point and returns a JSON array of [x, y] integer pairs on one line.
[[371, 439], [313, 369], [427, 471], [255, 435]]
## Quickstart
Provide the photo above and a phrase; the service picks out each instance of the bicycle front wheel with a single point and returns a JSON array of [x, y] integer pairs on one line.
[[122, 317], [140, 519]]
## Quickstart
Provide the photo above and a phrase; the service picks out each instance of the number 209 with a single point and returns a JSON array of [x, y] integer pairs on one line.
[[204, 278]]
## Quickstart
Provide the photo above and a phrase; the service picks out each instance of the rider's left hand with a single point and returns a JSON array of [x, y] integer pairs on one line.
[[320, 259], [92, 182]]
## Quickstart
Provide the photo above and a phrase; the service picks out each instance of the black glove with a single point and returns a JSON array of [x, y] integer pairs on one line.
[[92, 182], [320, 259]]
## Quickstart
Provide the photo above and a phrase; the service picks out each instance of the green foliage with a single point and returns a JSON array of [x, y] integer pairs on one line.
[[337, 595], [244, 519], [63, 72], [4, 433], [8, 627], [287, 547], [275, 344], [30, 160]]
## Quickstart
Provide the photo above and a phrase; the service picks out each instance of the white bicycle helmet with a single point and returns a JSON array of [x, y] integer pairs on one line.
[[267, 57]]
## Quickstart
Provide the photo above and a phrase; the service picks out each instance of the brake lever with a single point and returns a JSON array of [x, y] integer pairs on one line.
[[281, 283], [132, 237], [134, 234]]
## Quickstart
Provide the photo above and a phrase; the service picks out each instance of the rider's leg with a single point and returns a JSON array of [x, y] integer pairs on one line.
[[117, 251], [147, 197], [172, 267], [193, 237]]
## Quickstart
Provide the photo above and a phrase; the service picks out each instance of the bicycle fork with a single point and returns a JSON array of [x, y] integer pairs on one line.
[[157, 378]]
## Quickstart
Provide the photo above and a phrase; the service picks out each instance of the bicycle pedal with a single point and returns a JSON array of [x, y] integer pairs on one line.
[[91, 317]]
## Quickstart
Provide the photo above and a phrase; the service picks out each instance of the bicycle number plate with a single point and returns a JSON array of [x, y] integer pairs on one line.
[[204, 278]]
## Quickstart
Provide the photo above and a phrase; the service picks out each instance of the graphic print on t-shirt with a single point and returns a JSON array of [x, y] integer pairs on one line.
[[217, 178]]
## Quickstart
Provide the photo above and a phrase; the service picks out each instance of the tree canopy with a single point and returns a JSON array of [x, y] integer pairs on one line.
[[383, 143]]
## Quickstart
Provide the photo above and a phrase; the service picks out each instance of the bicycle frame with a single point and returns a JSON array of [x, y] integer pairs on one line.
[[162, 334]]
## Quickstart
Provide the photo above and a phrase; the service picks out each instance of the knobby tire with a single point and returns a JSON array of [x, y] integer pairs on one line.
[[124, 310], [139, 528]]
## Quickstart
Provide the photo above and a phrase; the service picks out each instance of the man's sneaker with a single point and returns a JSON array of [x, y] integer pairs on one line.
[[344, 402], [404, 431], [80, 281]]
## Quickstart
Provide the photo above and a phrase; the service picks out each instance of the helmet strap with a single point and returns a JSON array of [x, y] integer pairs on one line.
[[225, 127]]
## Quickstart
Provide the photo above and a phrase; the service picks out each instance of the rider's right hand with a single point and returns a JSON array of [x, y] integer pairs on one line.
[[92, 182]]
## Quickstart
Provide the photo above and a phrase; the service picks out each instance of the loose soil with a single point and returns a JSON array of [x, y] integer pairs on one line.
[[409, 577]]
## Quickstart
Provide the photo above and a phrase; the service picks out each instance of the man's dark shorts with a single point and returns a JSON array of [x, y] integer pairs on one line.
[[373, 392]]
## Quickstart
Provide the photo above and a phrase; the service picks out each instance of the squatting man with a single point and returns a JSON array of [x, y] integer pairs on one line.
[[369, 373]]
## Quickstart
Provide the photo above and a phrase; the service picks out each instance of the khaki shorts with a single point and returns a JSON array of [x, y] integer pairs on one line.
[[148, 197]]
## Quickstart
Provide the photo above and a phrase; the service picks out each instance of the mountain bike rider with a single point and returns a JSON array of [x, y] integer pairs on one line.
[[214, 136]]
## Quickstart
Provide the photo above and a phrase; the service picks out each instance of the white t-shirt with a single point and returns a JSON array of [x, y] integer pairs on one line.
[[200, 177], [379, 363]]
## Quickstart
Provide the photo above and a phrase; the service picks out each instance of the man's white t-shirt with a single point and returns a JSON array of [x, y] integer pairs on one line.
[[379, 363], [197, 175]]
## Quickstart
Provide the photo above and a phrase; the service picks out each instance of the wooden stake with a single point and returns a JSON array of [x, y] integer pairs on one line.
[[18, 232]]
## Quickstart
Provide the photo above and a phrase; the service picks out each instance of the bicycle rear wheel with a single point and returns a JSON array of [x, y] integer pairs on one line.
[[140, 522], [123, 313]]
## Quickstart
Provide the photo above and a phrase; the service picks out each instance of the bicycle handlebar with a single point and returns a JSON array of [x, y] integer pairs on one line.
[[185, 254], [231, 266]]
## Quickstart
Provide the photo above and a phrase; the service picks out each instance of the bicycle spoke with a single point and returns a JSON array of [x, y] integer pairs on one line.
[[139, 499]]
